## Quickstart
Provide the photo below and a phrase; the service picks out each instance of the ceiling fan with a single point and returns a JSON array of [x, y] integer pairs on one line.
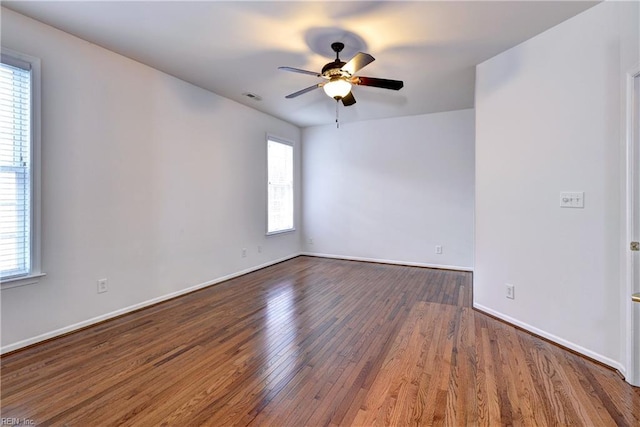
[[340, 77]]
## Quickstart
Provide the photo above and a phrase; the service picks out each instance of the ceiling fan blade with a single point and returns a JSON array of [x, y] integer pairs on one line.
[[305, 90], [298, 70], [383, 83], [348, 100], [358, 62]]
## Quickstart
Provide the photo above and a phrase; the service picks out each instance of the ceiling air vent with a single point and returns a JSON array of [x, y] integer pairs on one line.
[[252, 96]]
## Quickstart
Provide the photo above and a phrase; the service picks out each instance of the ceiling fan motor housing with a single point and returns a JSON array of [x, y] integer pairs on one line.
[[333, 69]]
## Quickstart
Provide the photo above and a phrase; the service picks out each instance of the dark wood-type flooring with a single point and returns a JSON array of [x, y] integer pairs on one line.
[[316, 342]]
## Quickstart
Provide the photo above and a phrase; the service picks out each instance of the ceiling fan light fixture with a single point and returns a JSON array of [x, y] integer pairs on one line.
[[337, 88]]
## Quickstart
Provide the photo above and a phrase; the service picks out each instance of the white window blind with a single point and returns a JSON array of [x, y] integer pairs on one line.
[[15, 168], [280, 186]]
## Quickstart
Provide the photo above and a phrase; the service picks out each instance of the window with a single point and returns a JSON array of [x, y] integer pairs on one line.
[[19, 149], [280, 186]]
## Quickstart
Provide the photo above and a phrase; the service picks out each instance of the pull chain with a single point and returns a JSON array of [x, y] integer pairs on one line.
[[337, 115]]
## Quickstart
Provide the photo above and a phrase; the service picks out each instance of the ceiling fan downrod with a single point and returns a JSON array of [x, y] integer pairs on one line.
[[337, 48]]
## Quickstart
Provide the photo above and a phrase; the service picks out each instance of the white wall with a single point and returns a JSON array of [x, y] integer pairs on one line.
[[549, 115], [148, 181], [391, 189]]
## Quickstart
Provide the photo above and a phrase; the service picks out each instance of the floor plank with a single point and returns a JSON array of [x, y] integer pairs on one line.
[[317, 342]]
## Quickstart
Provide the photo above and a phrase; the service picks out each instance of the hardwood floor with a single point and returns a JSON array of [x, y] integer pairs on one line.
[[316, 342]]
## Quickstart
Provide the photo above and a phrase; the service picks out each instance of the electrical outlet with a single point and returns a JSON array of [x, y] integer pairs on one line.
[[244, 252], [438, 249], [102, 286], [310, 240], [259, 249], [510, 291]]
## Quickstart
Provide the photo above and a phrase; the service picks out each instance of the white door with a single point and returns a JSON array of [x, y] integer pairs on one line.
[[633, 289]]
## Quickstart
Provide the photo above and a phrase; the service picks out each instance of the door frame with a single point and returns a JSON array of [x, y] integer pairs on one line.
[[631, 336]]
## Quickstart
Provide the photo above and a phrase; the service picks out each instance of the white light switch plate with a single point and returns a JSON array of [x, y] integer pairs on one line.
[[572, 199]]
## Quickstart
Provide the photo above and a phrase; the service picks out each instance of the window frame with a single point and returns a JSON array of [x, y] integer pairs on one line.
[[35, 271], [279, 140]]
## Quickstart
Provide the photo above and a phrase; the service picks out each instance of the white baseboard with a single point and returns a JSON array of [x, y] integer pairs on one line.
[[134, 307], [568, 344], [388, 261]]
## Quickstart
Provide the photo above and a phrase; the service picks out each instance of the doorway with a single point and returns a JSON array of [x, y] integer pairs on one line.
[[633, 229]]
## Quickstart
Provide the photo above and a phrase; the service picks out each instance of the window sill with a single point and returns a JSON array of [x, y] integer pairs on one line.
[[288, 230], [32, 279]]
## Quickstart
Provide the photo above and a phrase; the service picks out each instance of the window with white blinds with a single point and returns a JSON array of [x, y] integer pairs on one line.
[[280, 186], [15, 167]]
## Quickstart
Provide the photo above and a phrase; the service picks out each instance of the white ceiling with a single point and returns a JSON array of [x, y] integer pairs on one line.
[[235, 47]]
